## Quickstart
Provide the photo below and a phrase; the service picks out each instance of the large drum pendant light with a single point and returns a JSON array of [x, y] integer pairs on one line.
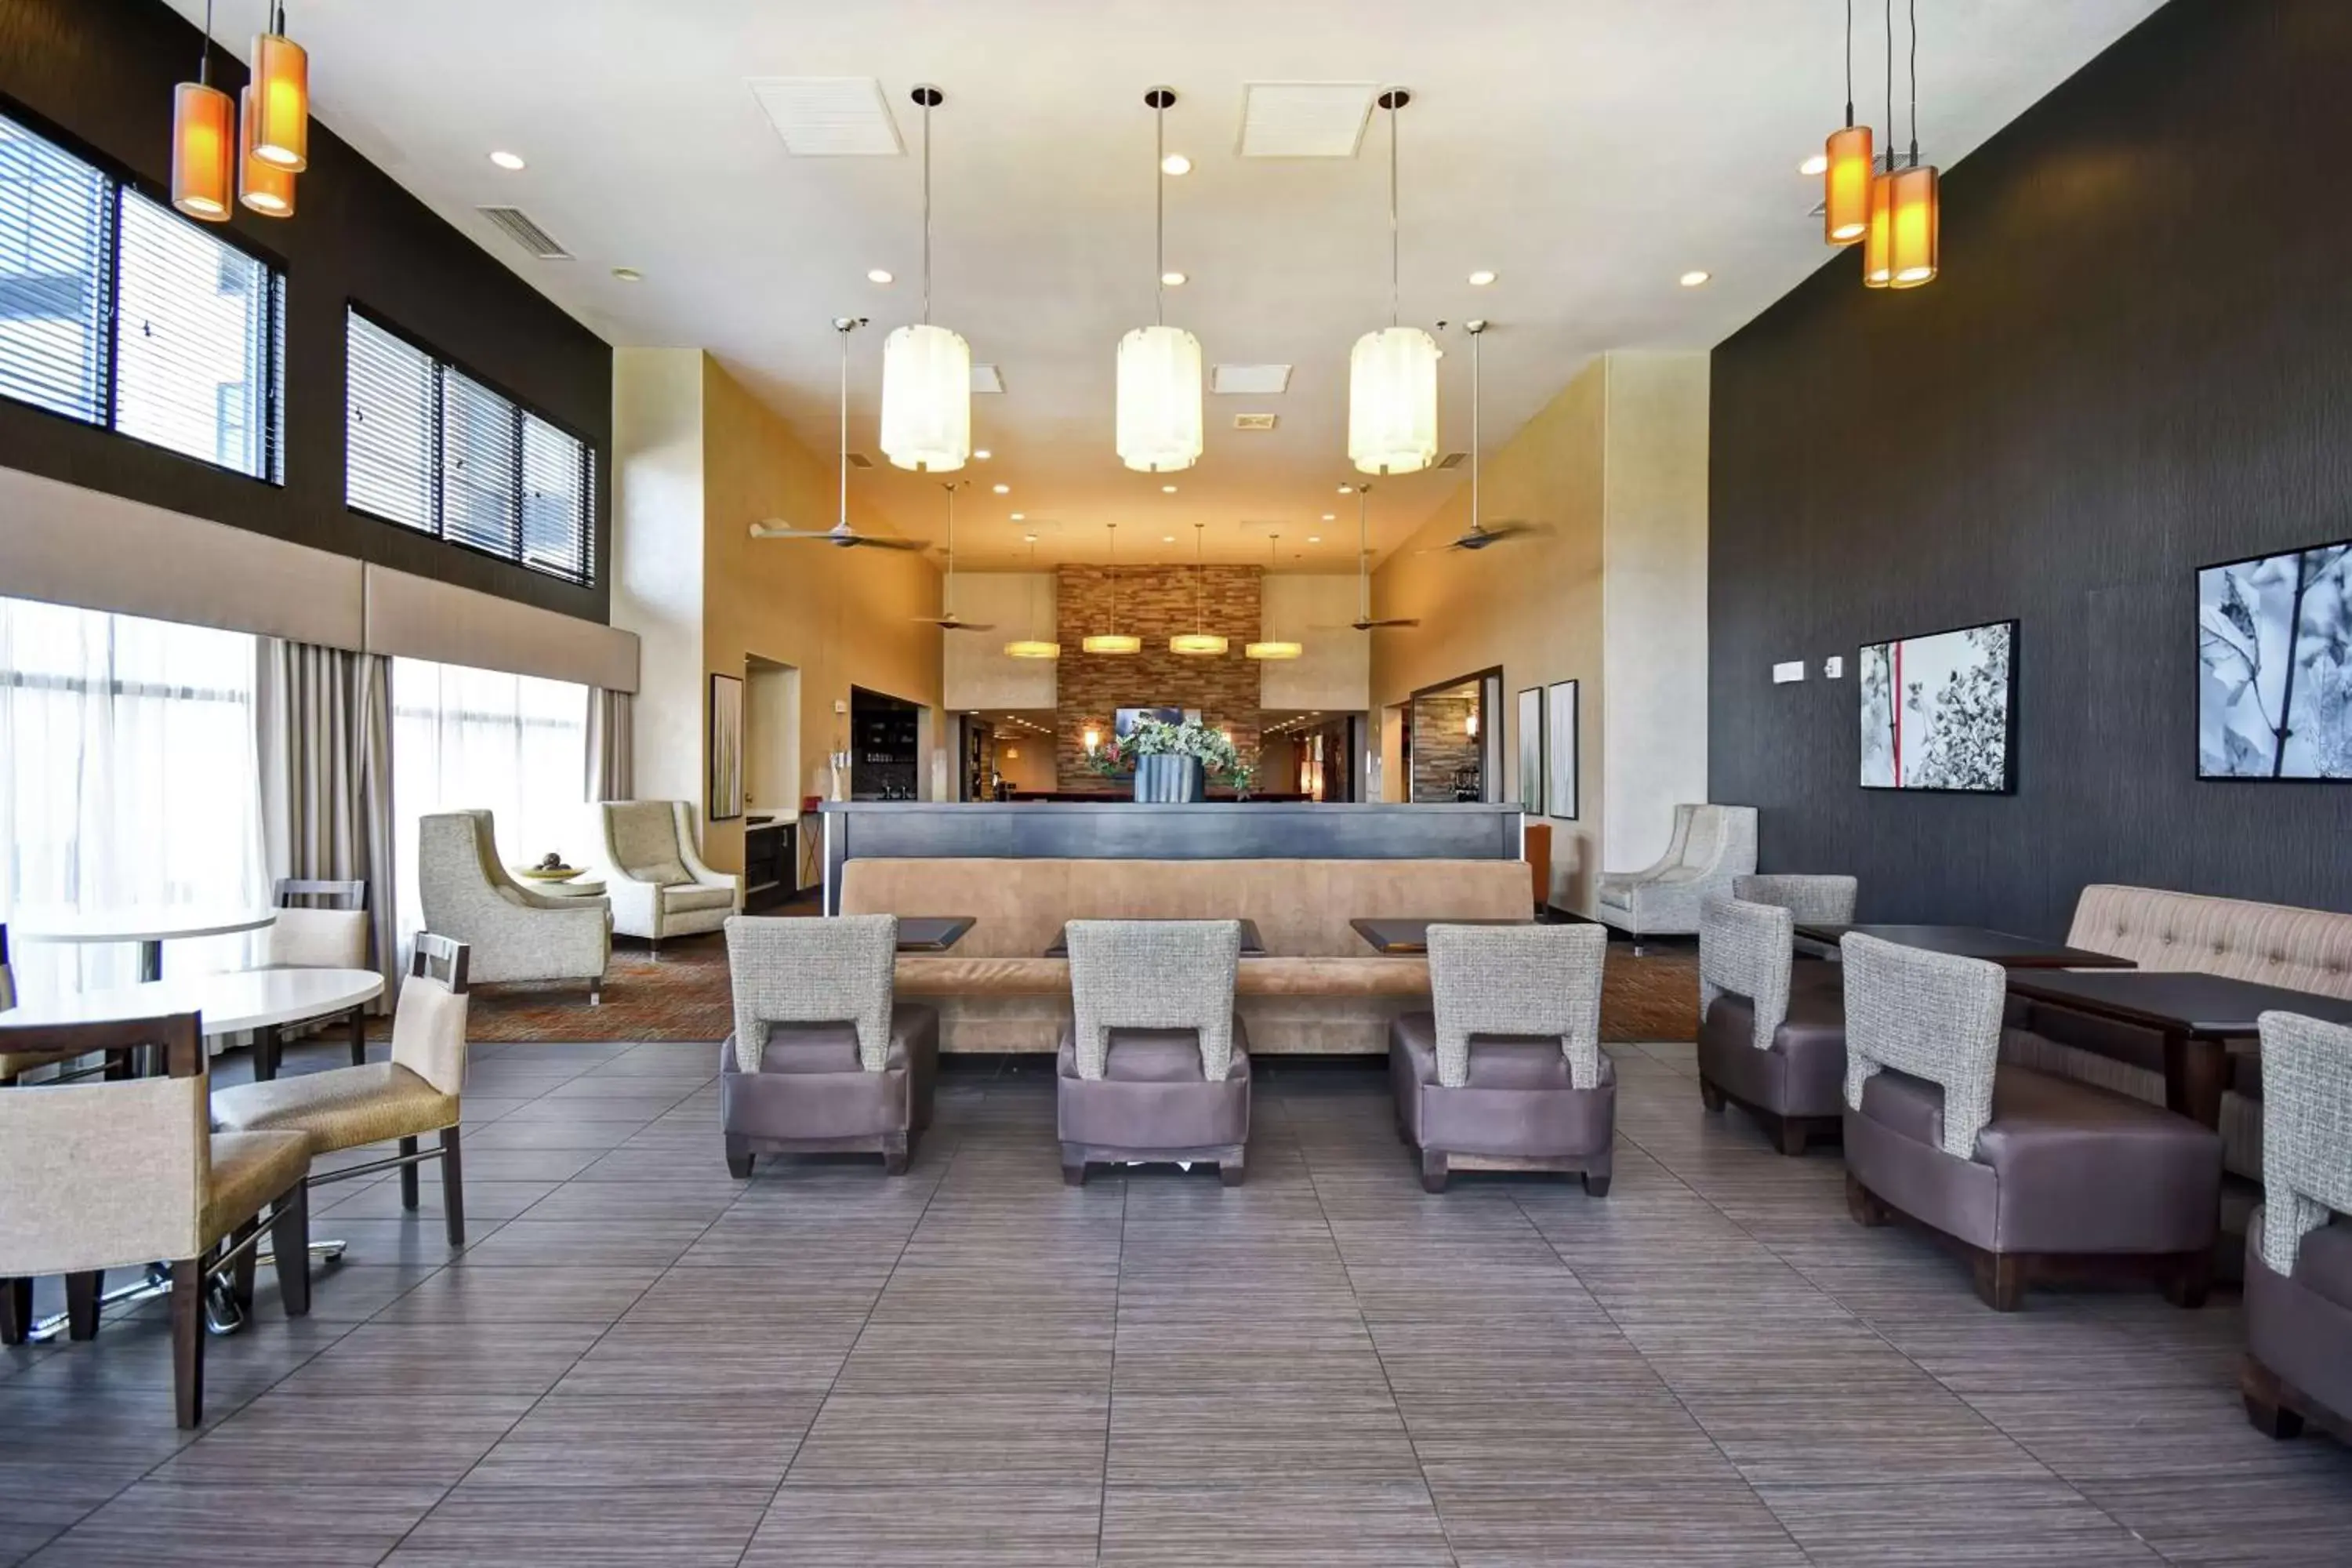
[[204, 141], [1114, 641], [927, 369], [1160, 366], [1914, 201], [281, 97], [262, 187], [1392, 373], [1845, 184], [1200, 642]]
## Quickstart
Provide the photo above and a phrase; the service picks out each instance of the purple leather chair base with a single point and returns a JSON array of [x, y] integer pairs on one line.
[[811, 1096], [2299, 1365], [1797, 1088], [1151, 1104], [2068, 1182], [1520, 1112]]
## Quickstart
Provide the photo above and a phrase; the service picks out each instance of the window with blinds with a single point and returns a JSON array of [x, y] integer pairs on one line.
[[431, 448], [116, 311]]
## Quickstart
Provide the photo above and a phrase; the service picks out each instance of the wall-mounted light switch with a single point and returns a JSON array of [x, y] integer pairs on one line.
[[1832, 667], [1783, 674]]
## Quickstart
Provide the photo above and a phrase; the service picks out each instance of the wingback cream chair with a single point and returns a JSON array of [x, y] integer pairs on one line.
[[659, 885], [116, 1175], [414, 1093], [513, 933], [1712, 844]]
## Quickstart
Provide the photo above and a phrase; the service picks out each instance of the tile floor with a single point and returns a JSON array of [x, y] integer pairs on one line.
[[638, 1361]]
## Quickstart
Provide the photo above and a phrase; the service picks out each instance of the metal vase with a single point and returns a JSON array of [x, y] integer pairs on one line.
[[1170, 779]]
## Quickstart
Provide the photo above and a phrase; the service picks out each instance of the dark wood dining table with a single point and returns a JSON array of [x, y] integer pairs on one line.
[[932, 933], [1406, 935], [1253, 946], [2198, 1015], [2004, 948]]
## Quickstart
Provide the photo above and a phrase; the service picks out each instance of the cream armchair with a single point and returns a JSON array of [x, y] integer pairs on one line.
[[1712, 845], [659, 885], [513, 933]]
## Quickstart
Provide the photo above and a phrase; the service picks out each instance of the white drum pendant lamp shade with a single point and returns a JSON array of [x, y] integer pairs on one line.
[[1392, 401], [1159, 399], [927, 399]]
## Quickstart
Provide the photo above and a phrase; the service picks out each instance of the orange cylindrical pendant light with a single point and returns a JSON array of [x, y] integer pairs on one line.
[[203, 151], [1913, 220], [1845, 185], [261, 184], [281, 99], [1878, 242]]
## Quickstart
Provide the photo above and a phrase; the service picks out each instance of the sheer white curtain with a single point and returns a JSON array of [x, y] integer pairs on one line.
[[467, 739], [127, 780]]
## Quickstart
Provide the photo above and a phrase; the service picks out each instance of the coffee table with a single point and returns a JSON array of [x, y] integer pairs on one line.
[[1251, 947], [1404, 936], [2004, 948]]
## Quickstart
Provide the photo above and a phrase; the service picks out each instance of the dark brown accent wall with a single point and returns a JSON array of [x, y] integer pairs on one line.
[[2135, 363], [101, 72], [1155, 602]]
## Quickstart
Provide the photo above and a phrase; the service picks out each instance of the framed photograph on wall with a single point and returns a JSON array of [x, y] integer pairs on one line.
[[726, 748], [1561, 750], [1938, 711], [1531, 751], [2274, 665]]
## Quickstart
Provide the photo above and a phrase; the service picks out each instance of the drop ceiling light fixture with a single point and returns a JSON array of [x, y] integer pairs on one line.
[[1392, 373], [282, 94], [1846, 164], [1114, 641], [1200, 642], [261, 186], [1033, 647], [204, 141], [1914, 201], [1272, 648], [1159, 423], [927, 369]]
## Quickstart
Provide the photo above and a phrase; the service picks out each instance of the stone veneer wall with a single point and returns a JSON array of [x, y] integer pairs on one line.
[[1441, 744], [1155, 602]]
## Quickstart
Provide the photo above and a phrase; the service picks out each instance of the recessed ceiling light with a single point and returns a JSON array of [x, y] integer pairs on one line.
[[1818, 163], [509, 160], [628, 275], [1347, 489], [1481, 278], [1330, 517], [879, 275], [1019, 517], [1167, 539], [1694, 277], [983, 453], [1174, 279], [1176, 163], [1314, 539], [1002, 490], [1168, 489]]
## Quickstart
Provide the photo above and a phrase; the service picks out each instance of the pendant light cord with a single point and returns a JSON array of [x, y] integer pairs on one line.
[[1160, 211], [1110, 569], [927, 207], [1889, 154], [204, 60], [1915, 88], [1364, 553], [844, 329], [948, 599], [1849, 64], [1477, 343], [1395, 245], [1199, 532]]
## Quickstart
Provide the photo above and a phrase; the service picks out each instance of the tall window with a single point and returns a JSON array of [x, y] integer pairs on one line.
[[127, 780], [193, 359], [433, 450], [513, 744]]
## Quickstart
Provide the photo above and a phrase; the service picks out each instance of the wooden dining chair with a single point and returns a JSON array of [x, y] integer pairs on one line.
[[322, 925]]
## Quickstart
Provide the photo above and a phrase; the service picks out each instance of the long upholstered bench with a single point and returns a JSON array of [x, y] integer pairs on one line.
[[1318, 989]]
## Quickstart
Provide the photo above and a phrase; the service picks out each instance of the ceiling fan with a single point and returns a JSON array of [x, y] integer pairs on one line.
[[1479, 535], [947, 620], [1364, 621], [840, 533]]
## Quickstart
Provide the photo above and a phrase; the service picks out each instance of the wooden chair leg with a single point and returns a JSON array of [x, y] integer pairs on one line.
[[1596, 1184], [893, 1154], [1710, 1097], [1074, 1167], [290, 1239], [2267, 1405], [1865, 1209], [266, 1051], [453, 1188], [188, 1339], [16, 1311], [241, 1272], [1233, 1168], [83, 1292], [408, 1175], [2189, 1280], [1791, 1136], [739, 1157], [359, 1036], [2000, 1280], [1433, 1171]]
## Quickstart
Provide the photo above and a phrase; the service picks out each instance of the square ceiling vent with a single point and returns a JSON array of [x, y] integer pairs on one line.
[[1255, 421], [987, 378], [829, 116], [1249, 380], [1305, 119]]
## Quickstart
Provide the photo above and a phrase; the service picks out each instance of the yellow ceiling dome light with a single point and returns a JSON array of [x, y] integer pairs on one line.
[[1392, 372], [1273, 647], [1033, 647], [1198, 643], [1113, 642]]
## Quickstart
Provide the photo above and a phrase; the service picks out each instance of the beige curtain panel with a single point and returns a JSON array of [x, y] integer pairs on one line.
[[612, 739]]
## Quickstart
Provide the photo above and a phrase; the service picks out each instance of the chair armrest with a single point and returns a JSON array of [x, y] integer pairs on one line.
[[635, 903]]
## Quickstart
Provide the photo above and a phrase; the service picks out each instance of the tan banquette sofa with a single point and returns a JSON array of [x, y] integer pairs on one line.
[[2274, 944], [1319, 989]]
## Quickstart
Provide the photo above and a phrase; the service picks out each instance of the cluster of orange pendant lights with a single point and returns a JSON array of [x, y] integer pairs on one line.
[[249, 151], [1892, 211]]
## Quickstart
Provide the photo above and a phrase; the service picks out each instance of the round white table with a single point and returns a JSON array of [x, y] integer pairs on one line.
[[262, 1000], [150, 928]]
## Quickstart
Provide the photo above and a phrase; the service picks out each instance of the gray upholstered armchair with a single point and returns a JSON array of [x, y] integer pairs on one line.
[[2017, 1165], [1818, 900], [2299, 1245], [658, 884], [824, 1059], [1154, 1065], [513, 933], [1506, 1072], [1711, 846], [1774, 1046]]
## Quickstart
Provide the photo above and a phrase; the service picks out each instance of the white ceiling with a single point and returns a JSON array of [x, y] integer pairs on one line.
[[1589, 152]]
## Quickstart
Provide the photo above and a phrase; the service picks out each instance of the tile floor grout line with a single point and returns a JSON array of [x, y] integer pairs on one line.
[[1110, 1383]]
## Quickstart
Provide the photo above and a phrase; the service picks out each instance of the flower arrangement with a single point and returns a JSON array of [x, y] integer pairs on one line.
[[1159, 738]]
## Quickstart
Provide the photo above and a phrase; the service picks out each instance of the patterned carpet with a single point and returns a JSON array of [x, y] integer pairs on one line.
[[683, 996]]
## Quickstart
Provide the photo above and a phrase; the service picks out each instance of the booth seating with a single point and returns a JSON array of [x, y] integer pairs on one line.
[[2299, 1247], [1771, 1034], [1319, 989]]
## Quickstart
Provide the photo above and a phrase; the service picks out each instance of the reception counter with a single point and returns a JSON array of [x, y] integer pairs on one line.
[[1124, 830]]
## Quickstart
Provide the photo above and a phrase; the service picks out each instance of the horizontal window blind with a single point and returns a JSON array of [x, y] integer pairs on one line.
[[432, 448], [55, 213]]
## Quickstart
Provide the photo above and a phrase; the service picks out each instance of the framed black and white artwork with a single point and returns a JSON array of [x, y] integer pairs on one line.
[[2274, 665], [1939, 712], [1559, 750], [1530, 720]]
